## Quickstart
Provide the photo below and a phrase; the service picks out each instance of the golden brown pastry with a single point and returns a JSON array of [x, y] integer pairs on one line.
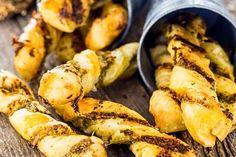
[[84, 73], [226, 92], [163, 104], [65, 15], [117, 124], [34, 123], [69, 45], [65, 86], [220, 63], [194, 83], [106, 29], [32, 45], [131, 70], [174, 30]]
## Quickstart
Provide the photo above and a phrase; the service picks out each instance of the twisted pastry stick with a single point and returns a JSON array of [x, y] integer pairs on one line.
[[37, 41], [226, 92], [84, 73], [65, 15], [220, 63], [31, 47], [107, 27], [118, 124], [34, 123], [194, 82], [65, 86], [161, 99], [163, 105]]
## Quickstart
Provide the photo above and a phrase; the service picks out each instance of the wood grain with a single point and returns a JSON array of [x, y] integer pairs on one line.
[[130, 92]]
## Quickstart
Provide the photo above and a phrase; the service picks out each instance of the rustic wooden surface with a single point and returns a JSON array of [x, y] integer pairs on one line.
[[130, 92]]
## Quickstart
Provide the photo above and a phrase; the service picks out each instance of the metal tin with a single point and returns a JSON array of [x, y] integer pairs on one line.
[[220, 26]]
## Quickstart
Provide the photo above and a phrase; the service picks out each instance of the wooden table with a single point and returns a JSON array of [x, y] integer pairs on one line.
[[130, 92]]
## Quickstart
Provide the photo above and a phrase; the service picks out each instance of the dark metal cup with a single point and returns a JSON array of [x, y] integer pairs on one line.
[[220, 26]]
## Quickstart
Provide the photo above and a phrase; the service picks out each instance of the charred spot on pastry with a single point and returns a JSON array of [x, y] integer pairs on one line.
[[172, 93], [17, 45], [31, 53], [127, 132], [75, 103], [215, 69], [16, 105], [228, 114], [167, 143], [111, 115], [80, 147], [170, 144], [64, 12], [46, 35], [166, 66], [230, 99], [107, 59], [69, 96], [16, 87], [181, 98], [191, 66], [69, 68], [164, 153], [42, 132], [77, 11], [76, 14]]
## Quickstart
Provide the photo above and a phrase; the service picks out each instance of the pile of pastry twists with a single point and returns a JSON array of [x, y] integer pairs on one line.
[[195, 82], [113, 122], [66, 27], [35, 124]]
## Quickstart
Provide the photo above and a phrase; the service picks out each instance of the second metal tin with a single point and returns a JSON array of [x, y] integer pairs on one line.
[[220, 26]]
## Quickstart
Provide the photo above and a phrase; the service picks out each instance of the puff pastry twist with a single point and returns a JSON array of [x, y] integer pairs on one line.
[[35, 124]]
